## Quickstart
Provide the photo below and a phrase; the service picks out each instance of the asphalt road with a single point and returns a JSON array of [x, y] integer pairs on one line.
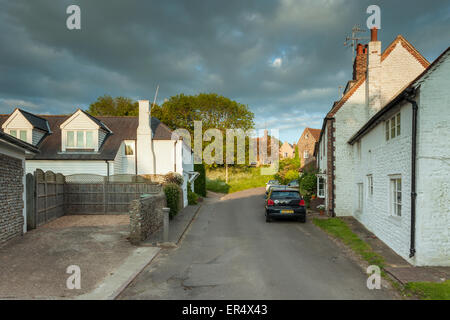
[[230, 252]]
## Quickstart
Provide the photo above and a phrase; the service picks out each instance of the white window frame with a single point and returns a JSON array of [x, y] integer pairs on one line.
[[395, 188], [360, 190], [369, 186], [305, 154], [358, 150], [321, 191], [18, 132], [75, 139], [393, 127], [129, 143]]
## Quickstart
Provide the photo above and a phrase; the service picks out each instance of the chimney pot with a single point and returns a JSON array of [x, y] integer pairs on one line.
[[374, 34], [359, 49]]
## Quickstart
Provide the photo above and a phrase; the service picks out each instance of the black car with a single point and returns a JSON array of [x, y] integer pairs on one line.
[[285, 203]]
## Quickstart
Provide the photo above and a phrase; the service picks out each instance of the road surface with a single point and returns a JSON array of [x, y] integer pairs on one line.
[[230, 252]]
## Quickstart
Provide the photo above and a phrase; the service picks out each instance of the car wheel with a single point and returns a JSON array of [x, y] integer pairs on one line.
[[268, 218], [303, 219]]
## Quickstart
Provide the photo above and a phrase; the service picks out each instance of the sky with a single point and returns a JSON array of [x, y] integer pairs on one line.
[[284, 59]]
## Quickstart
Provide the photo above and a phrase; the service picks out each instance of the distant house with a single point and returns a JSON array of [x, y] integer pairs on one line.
[[263, 148], [287, 151], [402, 169], [105, 145], [12, 187], [306, 145]]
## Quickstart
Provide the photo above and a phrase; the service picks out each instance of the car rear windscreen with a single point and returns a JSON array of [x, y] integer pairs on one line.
[[285, 194]]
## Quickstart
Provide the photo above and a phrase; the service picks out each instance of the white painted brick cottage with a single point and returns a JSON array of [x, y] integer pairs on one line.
[[377, 77], [402, 169], [365, 149]]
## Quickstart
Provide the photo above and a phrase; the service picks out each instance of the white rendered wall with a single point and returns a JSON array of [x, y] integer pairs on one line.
[[383, 159], [433, 169]]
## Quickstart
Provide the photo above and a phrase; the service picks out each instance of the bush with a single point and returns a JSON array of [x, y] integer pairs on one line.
[[192, 196], [173, 177], [173, 193], [217, 185], [200, 182], [308, 185]]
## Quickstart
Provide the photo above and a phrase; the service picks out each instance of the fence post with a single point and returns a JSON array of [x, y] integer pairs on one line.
[[105, 184], [166, 224], [30, 200]]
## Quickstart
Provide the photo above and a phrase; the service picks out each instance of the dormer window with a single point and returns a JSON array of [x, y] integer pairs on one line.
[[26, 126], [20, 134], [80, 139]]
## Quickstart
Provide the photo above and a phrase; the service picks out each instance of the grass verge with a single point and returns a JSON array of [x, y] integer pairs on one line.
[[424, 290], [339, 229], [238, 179], [430, 290]]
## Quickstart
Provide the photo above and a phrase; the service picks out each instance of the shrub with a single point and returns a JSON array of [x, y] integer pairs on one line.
[[173, 177], [200, 182], [217, 185], [308, 184], [173, 193], [192, 196]]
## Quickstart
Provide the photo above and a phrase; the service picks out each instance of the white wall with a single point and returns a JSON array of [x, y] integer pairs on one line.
[[322, 156], [351, 117], [382, 159], [67, 167], [125, 164], [398, 69], [164, 152], [433, 169]]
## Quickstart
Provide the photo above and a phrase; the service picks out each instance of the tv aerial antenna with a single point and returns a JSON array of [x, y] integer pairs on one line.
[[353, 40]]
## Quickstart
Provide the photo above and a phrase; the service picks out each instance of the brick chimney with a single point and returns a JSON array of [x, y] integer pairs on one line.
[[144, 146], [373, 80], [360, 63]]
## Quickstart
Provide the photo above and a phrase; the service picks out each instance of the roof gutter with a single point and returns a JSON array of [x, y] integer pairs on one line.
[[410, 94]]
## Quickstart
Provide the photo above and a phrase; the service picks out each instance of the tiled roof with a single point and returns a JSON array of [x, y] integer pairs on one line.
[[315, 133], [123, 128], [36, 121], [17, 142], [408, 46]]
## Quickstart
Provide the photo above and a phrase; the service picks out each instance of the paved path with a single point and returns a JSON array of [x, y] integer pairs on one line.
[[230, 252]]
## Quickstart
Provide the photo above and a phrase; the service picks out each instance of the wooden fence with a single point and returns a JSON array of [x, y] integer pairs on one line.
[[95, 194], [45, 197], [51, 195]]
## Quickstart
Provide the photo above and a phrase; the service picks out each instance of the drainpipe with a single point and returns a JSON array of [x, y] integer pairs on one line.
[[175, 156], [409, 96]]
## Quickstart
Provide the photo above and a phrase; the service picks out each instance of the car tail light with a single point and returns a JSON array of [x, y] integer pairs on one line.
[[270, 202], [302, 203]]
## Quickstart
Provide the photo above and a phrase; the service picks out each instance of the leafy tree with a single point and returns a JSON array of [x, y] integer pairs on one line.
[[215, 112], [118, 106], [297, 156]]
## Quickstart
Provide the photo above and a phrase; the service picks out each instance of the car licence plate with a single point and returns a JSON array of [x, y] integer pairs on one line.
[[287, 211]]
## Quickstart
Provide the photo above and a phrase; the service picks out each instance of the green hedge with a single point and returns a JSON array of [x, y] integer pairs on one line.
[[200, 182], [192, 196], [173, 194]]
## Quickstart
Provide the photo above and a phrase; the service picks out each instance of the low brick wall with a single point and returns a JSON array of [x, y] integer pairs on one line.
[[146, 216]]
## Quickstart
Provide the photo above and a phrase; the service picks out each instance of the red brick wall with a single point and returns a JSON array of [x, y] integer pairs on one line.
[[11, 202], [306, 144], [330, 167]]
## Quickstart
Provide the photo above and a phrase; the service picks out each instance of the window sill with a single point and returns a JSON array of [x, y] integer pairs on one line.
[[395, 219]]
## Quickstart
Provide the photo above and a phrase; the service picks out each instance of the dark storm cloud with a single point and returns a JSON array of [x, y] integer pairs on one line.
[[284, 59]]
